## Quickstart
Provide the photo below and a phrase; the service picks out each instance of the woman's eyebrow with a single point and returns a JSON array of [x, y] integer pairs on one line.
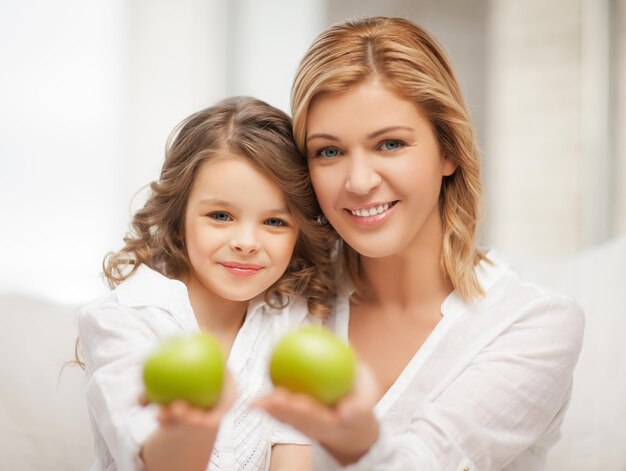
[[371, 135], [330, 137], [387, 129]]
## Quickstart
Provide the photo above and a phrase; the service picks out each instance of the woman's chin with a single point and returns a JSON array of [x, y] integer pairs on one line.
[[375, 250]]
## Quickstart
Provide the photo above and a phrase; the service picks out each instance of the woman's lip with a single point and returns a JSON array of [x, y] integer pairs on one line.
[[371, 221], [373, 205], [241, 269]]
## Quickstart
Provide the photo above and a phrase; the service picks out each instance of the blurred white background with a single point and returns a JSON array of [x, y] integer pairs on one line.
[[90, 90]]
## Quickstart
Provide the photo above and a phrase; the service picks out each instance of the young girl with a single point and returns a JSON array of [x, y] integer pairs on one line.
[[469, 367], [226, 239]]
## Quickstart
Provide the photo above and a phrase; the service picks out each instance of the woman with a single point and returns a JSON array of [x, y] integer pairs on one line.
[[468, 367]]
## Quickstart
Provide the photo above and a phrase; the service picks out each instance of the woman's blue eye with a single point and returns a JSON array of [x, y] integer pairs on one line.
[[220, 216], [328, 152], [390, 145], [275, 222]]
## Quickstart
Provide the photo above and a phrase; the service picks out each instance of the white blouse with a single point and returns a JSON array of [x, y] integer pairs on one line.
[[120, 329], [486, 391]]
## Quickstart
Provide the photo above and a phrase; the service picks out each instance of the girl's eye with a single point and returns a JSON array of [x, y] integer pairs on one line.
[[390, 145], [328, 152], [275, 222], [220, 216]]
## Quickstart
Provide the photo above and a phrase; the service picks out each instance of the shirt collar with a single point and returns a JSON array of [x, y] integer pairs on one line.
[[257, 304], [491, 270], [147, 287], [487, 274]]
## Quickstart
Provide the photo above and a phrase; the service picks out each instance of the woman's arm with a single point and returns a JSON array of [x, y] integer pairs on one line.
[[510, 394], [347, 430]]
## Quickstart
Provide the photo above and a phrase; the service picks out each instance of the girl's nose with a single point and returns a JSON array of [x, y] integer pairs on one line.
[[245, 242], [363, 177]]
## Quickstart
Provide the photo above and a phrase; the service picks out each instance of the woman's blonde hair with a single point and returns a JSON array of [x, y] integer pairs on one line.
[[409, 61], [263, 135]]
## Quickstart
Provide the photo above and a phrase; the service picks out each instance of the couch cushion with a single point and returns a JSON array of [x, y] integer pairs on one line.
[[43, 418]]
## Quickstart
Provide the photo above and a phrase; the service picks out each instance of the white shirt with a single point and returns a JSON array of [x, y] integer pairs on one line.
[[120, 329], [487, 390]]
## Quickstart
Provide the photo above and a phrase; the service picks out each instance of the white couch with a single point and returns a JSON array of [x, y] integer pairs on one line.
[[44, 426], [43, 418], [594, 430]]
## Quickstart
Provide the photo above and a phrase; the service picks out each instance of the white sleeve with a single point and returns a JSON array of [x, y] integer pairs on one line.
[[114, 343], [284, 434], [510, 395]]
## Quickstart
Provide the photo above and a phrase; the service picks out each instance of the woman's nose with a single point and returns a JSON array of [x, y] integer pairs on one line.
[[362, 177]]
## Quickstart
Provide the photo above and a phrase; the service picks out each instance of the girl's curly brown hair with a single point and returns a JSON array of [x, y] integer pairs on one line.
[[262, 134]]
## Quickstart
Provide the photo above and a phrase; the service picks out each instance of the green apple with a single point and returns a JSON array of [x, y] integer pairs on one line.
[[189, 367], [314, 361]]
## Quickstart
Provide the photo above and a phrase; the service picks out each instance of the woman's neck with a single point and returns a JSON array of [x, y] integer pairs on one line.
[[413, 277]]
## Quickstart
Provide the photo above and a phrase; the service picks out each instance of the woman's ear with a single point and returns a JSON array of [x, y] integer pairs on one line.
[[448, 167]]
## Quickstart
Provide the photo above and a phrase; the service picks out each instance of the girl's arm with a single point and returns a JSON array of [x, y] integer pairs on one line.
[[114, 342], [289, 457], [184, 440]]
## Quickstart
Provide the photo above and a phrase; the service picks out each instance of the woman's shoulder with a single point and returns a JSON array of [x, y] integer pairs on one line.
[[509, 296]]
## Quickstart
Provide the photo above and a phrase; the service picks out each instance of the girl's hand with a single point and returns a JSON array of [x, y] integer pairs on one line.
[[182, 414], [185, 438], [347, 430]]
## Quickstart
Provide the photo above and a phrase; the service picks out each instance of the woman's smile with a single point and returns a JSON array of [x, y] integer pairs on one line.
[[369, 149], [373, 214]]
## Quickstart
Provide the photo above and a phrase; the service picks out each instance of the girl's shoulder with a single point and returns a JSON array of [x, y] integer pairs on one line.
[[146, 298]]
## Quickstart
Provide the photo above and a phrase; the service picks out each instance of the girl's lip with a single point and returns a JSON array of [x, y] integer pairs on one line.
[[242, 269]]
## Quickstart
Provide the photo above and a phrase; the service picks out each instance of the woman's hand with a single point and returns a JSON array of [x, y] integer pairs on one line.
[[347, 430]]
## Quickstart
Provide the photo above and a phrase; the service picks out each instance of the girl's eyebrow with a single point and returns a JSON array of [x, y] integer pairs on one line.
[[215, 201], [372, 135]]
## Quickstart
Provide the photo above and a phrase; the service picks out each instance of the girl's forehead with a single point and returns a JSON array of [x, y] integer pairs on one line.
[[232, 177]]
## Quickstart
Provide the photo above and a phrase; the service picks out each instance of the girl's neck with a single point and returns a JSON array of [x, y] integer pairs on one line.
[[221, 317]]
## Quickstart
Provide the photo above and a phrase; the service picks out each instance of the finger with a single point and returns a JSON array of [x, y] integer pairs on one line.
[[299, 410], [362, 398], [173, 413], [143, 400]]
